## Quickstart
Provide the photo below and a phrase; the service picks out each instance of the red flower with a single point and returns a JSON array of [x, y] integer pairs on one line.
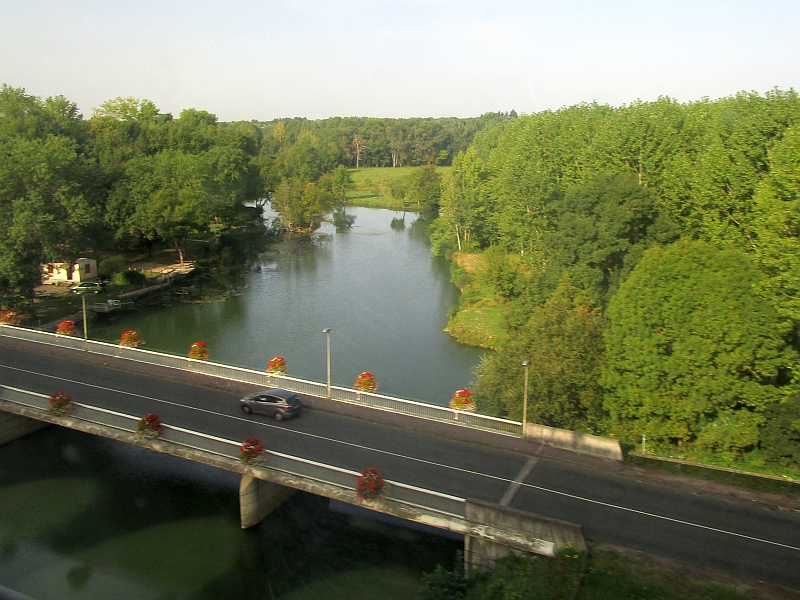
[[277, 365], [366, 383], [251, 450], [130, 339], [462, 401], [10, 317], [66, 327], [371, 485], [60, 403], [149, 426], [198, 351]]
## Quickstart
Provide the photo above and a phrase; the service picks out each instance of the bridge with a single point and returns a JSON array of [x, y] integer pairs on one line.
[[488, 482]]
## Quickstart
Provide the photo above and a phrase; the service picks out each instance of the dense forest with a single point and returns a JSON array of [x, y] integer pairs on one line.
[[648, 260], [132, 176]]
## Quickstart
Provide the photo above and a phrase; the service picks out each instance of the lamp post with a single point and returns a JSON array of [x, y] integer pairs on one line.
[[327, 332], [85, 322], [525, 364]]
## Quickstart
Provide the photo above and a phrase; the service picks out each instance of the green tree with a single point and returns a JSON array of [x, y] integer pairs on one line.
[[342, 182], [301, 204], [424, 188], [164, 197], [563, 341], [693, 355]]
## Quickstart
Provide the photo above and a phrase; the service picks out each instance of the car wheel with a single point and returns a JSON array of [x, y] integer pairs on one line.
[[279, 416], [245, 409]]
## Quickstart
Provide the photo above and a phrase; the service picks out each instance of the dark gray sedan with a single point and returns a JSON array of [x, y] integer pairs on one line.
[[281, 404]]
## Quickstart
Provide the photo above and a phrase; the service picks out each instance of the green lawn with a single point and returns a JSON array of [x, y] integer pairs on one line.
[[371, 186]]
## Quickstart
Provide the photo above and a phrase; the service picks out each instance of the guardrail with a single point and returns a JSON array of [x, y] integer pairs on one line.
[[241, 374], [277, 461]]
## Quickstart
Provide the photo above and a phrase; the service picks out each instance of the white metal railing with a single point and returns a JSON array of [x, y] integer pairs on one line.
[[277, 461], [311, 388]]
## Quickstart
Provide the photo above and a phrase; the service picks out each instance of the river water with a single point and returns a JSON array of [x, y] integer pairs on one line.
[[378, 287], [88, 518]]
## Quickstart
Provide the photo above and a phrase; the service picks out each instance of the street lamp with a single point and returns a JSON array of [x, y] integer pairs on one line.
[[525, 364], [85, 321], [327, 332]]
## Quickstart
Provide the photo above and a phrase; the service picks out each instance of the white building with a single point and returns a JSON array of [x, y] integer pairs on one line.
[[84, 269]]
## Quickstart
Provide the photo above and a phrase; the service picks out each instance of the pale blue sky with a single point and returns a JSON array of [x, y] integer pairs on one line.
[[320, 58]]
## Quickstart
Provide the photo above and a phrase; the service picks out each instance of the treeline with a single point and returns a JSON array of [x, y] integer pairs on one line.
[[655, 282], [132, 176]]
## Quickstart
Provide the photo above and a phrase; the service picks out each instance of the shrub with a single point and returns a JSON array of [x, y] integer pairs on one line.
[[462, 400], [66, 327], [10, 317], [250, 451], [60, 404], [199, 351], [130, 339], [130, 277], [371, 485], [277, 365], [366, 383], [149, 426], [108, 267]]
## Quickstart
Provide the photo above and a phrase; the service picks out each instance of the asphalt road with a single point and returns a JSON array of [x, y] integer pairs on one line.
[[744, 539]]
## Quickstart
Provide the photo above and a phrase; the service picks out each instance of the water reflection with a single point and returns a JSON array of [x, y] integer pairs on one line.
[[85, 517], [342, 221]]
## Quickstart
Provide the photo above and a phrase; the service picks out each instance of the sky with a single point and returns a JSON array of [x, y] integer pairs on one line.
[[244, 60]]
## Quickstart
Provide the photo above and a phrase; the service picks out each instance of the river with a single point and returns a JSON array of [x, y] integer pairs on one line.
[[88, 518], [378, 287]]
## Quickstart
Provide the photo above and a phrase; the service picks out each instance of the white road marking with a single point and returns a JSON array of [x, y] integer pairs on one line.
[[420, 460], [514, 486]]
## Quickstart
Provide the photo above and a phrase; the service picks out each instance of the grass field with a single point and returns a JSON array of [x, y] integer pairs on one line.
[[371, 186]]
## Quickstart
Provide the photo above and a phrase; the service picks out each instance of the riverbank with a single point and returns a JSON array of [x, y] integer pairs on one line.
[[604, 572], [479, 318]]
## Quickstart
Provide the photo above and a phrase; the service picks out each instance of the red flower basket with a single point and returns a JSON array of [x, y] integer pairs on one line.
[[199, 351], [277, 365], [60, 404], [130, 339], [463, 401], [66, 327], [10, 317], [366, 383], [250, 451], [371, 485], [149, 426]]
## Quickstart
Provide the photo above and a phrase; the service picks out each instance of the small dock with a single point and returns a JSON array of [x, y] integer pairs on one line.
[[110, 306]]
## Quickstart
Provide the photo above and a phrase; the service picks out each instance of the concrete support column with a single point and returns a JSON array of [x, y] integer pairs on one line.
[[258, 498], [14, 426], [498, 531]]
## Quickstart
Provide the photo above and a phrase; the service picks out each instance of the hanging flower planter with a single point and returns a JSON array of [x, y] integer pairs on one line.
[[66, 327], [10, 317], [371, 485], [463, 401], [60, 404], [199, 351], [130, 339], [276, 365], [149, 427], [366, 383], [250, 452]]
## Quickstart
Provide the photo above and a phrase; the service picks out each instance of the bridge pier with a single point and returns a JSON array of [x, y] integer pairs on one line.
[[505, 530], [13, 426], [258, 498]]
